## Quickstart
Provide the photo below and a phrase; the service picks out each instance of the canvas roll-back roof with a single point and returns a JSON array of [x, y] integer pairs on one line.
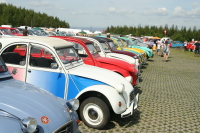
[[50, 41]]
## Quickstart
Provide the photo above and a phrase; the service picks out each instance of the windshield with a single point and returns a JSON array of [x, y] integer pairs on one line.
[[6, 31], [105, 46], [112, 45], [92, 49], [67, 55], [120, 43], [3, 68], [15, 31], [130, 43]]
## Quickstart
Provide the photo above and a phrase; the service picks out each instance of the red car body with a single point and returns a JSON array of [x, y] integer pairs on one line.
[[123, 68], [190, 46]]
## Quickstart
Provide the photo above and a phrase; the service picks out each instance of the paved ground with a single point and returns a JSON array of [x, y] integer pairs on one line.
[[169, 99]]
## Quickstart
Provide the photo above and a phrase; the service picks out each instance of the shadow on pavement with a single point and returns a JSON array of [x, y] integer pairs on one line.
[[150, 60], [123, 122]]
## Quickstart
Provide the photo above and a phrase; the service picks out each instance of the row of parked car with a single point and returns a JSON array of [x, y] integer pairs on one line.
[[96, 72], [18, 31]]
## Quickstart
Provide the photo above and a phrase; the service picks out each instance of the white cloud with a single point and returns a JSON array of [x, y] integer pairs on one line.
[[119, 11], [160, 12], [42, 3], [180, 12], [79, 12], [3, 1], [194, 12], [62, 9]]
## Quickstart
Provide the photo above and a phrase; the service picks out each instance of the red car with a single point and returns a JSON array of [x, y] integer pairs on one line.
[[13, 31], [90, 56], [190, 46]]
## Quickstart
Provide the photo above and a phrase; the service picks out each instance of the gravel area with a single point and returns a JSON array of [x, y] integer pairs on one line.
[[169, 98]]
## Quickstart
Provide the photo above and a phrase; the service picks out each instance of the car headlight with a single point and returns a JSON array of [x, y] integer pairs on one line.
[[29, 125], [135, 57], [120, 88], [73, 104]]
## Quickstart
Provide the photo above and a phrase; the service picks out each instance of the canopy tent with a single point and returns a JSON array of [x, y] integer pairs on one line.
[[83, 32]]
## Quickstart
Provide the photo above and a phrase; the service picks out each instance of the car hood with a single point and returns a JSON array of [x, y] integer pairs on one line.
[[102, 75], [121, 57], [124, 52], [116, 62], [24, 100]]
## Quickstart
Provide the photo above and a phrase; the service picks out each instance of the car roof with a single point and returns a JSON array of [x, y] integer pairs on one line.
[[50, 41], [82, 39]]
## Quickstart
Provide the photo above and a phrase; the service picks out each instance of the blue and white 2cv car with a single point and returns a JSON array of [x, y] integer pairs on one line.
[[25, 108], [54, 65]]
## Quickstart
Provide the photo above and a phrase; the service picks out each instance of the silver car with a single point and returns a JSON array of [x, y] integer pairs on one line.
[[25, 108]]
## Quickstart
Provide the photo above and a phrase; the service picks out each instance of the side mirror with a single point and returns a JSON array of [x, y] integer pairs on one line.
[[54, 65]]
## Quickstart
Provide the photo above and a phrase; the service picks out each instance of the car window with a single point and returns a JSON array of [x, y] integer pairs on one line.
[[80, 50], [15, 54], [41, 57]]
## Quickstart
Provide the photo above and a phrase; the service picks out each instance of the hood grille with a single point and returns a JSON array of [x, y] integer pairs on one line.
[[66, 128]]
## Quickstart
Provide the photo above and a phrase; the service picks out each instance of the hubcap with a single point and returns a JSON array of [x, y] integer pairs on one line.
[[92, 114]]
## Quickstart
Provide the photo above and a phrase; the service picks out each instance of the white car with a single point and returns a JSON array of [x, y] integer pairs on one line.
[[54, 65]]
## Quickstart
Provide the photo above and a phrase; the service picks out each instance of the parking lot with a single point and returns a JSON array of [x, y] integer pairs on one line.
[[169, 98]]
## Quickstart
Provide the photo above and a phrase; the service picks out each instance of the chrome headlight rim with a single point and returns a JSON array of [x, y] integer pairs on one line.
[[73, 104], [29, 125]]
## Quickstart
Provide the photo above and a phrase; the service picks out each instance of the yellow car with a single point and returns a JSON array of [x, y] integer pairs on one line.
[[121, 45]]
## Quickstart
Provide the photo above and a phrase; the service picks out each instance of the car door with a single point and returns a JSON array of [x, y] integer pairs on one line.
[[14, 55], [45, 71]]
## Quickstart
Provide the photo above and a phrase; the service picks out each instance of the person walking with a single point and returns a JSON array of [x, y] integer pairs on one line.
[[166, 51], [25, 32]]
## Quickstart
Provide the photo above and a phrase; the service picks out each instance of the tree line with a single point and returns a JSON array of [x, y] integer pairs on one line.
[[18, 16], [173, 32]]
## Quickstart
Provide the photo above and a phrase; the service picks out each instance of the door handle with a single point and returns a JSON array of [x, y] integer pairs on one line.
[[14, 71], [29, 70]]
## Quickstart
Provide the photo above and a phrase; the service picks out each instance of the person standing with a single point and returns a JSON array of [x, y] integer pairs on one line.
[[154, 49], [185, 45], [166, 51], [196, 48], [158, 49], [25, 32]]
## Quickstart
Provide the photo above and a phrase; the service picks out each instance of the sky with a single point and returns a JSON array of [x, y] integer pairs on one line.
[[104, 13]]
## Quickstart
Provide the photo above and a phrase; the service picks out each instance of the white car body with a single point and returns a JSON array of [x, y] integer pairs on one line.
[[69, 79]]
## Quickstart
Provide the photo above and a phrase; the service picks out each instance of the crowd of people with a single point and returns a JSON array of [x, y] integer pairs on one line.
[[162, 48]]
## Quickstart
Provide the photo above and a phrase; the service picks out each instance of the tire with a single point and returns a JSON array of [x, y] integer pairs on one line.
[[94, 113]]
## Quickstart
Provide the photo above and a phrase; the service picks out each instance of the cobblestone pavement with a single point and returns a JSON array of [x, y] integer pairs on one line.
[[169, 99]]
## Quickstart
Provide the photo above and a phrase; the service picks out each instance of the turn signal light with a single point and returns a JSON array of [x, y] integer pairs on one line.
[[120, 104]]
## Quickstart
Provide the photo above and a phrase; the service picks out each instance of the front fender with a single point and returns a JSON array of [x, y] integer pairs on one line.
[[110, 93], [10, 125]]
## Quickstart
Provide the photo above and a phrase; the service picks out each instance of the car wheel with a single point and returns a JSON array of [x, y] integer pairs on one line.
[[94, 113]]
